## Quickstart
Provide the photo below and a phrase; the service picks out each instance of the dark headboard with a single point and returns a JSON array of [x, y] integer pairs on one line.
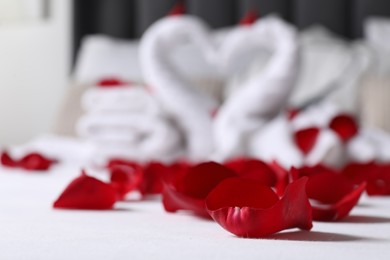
[[130, 18]]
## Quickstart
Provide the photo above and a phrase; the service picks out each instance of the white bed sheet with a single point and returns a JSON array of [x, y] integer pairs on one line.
[[31, 229]]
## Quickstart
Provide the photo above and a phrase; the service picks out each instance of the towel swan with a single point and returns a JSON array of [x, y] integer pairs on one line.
[[188, 107], [263, 96]]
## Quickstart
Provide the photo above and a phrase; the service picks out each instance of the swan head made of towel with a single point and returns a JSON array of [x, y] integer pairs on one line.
[[184, 103], [262, 97]]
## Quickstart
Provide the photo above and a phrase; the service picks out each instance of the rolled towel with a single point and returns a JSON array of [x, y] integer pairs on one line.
[[189, 107], [120, 99], [133, 136], [262, 97], [361, 149], [328, 150], [274, 142]]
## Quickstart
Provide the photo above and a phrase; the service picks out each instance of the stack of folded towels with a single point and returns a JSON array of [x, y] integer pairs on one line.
[[125, 121]]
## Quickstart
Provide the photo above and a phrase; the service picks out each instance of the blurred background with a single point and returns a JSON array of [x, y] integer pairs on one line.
[[35, 65], [40, 41]]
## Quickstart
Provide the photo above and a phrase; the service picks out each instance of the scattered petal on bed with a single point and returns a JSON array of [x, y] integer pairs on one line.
[[332, 196], [88, 193], [125, 178], [249, 209], [30, 162], [345, 126], [111, 82], [189, 191], [306, 139], [7, 161], [253, 169], [378, 183]]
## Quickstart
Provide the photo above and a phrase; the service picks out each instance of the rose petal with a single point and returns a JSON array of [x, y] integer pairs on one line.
[[111, 82], [332, 196], [282, 178], [359, 172], [292, 113], [177, 9], [125, 178], [30, 162], [86, 192], [306, 139], [36, 161], [249, 209], [249, 18], [189, 191], [379, 181], [345, 126], [253, 169], [7, 161]]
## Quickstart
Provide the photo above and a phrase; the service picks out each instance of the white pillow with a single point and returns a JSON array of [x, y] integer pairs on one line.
[[102, 56]]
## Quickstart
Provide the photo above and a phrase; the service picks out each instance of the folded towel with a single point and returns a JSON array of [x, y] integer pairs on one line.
[[189, 107], [120, 99], [136, 135], [263, 96]]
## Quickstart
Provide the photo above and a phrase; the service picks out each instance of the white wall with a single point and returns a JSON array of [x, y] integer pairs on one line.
[[34, 67]]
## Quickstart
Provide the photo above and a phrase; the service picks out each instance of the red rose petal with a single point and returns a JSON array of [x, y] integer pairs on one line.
[[35, 161], [333, 196], [249, 209], [282, 178], [125, 178], [177, 9], [359, 172], [86, 192], [292, 113], [345, 126], [249, 18], [379, 181], [306, 139], [188, 192], [111, 82], [253, 169], [30, 162], [7, 161]]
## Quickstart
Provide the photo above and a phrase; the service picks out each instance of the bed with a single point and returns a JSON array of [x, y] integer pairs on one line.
[[32, 229]]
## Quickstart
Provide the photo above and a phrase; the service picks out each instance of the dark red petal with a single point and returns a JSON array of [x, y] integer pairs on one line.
[[189, 191], [202, 178], [249, 209], [111, 82], [7, 161], [174, 201], [253, 169], [249, 18], [345, 126], [332, 196], [306, 139], [310, 171], [379, 181], [359, 172], [154, 175], [282, 178], [177, 9], [292, 113], [36, 161], [125, 178], [86, 192]]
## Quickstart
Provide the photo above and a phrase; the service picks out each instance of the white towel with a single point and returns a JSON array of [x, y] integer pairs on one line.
[[133, 136], [134, 99], [275, 142], [189, 107], [328, 150], [263, 96]]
